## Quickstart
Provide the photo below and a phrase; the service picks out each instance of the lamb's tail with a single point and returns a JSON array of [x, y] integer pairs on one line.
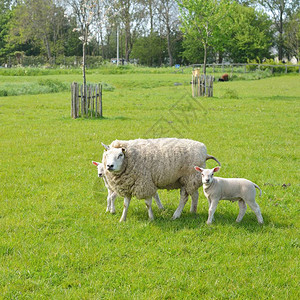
[[212, 157], [258, 188]]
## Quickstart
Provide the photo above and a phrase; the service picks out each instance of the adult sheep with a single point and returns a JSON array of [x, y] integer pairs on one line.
[[140, 167]]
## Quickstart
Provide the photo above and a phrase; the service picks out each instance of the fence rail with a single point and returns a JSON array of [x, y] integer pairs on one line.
[[89, 106], [258, 66], [202, 85]]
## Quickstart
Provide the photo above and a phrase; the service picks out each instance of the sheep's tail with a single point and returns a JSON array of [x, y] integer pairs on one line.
[[258, 189], [212, 157]]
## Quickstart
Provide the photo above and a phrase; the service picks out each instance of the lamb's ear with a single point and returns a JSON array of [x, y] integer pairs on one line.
[[95, 163], [123, 150], [198, 169], [216, 169], [105, 146]]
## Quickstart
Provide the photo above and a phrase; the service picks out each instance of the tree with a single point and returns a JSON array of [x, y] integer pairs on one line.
[[153, 55], [130, 14], [32, 21], [248, 34], [4, 20], [40, 22], [202, 21], [280, 10], [168, 11], [85, 12], [292, 35]]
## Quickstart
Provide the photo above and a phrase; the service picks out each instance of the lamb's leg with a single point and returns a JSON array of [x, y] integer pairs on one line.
[[243, 208], [126, 205], [195, 197], [113, 197], [255, 207], [183, 199], [159, 204], [149, 207], [211, 210]]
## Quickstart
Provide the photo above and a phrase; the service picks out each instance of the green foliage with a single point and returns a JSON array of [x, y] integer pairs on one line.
[[42, 86], [56, 239], [230, 94], [236, 31], [249, 34], [280, 67], [150, 56], [202, 22]]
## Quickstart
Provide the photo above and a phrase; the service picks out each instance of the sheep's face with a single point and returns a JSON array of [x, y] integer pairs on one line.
[[100, 168], [114, 159], [207, 174]]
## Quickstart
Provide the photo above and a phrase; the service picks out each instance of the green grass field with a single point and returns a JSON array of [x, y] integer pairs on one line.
[[57, 242]]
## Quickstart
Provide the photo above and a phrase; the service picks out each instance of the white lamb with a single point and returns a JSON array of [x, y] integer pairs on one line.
[[140, 167], [234, 189], [111, 196]]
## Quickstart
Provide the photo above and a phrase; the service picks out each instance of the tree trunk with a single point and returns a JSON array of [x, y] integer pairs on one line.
[[151, 16], [205, 58], [169, 46], [280, 46], [127, 42], [83, 70], [47, 47]]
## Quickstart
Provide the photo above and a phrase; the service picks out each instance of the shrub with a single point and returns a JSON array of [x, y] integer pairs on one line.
[[231, 94]]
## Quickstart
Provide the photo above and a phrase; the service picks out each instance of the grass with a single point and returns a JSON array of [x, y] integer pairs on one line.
[[56, 241]]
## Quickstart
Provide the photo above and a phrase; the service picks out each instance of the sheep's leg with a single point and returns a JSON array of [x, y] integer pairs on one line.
[[243, 208], [108, 201], [195, 197], [211, 211], [126, 205], [159, 204], [112, 202], [255, 207], [183, 199], [149, 207]]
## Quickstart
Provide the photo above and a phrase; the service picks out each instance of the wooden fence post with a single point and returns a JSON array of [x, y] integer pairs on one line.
[[100, 100], [74, 97], [89, 104], [81, 101]]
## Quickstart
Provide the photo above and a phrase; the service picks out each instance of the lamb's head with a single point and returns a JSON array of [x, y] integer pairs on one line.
[[100, 168], [207, 174], [114, 159]]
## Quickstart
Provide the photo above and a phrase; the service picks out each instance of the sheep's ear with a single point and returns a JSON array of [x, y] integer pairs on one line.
[[198, 169], [95, 163], [123, 150], [105, 146], [216, 169]]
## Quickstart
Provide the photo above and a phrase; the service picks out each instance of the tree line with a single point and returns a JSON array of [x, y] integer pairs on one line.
[[164, 32]]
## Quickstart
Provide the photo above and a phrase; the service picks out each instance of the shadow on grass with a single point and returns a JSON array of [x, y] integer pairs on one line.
[[81, 119], [190, 221], [281, 98]]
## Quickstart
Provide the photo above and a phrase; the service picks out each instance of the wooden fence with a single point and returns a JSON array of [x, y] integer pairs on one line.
[[202, 85], [247, 67], [89, 106]]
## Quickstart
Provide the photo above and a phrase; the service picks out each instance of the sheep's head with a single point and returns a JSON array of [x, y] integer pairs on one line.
[[114, 158], [100, 168], [207, 174]]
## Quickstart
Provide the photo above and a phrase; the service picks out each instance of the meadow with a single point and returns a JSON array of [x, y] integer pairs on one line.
[[57, 242]]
